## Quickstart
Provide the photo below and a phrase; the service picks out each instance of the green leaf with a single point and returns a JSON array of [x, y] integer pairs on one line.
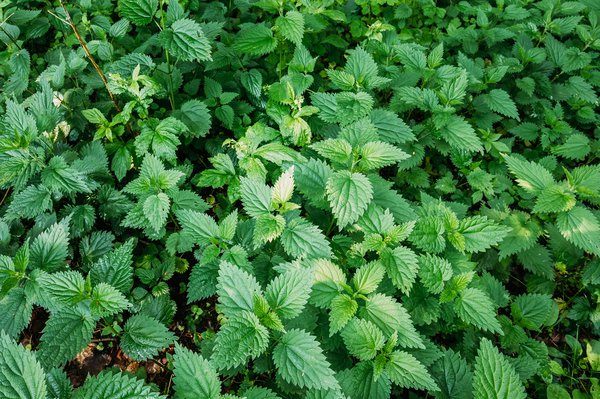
[[531, 311], [156, 209], [580, 227], [434, 272], [201, 228], [115, 268], [495, 377], [328, 280], [116, 385], [343, 308], [291, 26], [267, 228], [300, 361], [107, 301], [499, 101], [64, 287], [195, 115], [407, 372], [377, 154], [360, 382], [453, 376], [284, 187], [363, 339], [66, 333], [256, 197], [186, 41], [459, 134], [390, 317], [16, 312], [531, 176], [362, 67], [138, 12], [49, 250], [143, 337], [21, 376], [480, 233], [349, 194], [236, 289], [367, 277], [556, 198], [194, 377], [288, 293], [255, 39], [391, 128], [576, 147], [239, 339], [402, 266], [303, 239], [336, 150], [474, 307], [31, 202]]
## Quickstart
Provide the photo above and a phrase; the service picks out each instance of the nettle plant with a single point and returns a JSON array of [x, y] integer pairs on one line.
[[310, 199]]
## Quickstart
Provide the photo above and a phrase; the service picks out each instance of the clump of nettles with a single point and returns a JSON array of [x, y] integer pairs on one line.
[[343, 200]]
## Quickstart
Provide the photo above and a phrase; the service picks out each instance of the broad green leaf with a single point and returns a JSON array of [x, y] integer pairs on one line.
[[473, 306], [202, 228], [402, 266], [349, 194], [16, 312], [390, 317], [143, 337], [115, 268], [377, 154], [239, 339], [556, 198], [531, 176], [494, 376], [343, 308], [116, 385], [291, 26], [480, 233], [367, 278], [459, 134], [186, 41], [434, 272], [407, 372], [236, 289], [256, 197], [255, 40], [194, 377], [21, 376], [49, 250], [300, 361], [67, 332], [580, 227], [106, 301], [303, 239], [363, 339], [453, 376], [267, 228], [156, 209], [138, 12], [499, 101], [288, 293], [532, 311], [284, 187]]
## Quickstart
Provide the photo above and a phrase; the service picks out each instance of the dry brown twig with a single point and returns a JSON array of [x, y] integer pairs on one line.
[[69, 21]]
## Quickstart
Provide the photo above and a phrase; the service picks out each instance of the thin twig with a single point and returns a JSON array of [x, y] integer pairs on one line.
[[5, 195], [89, 56]]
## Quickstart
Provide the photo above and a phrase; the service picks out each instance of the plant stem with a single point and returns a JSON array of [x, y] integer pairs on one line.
[[89, 56]]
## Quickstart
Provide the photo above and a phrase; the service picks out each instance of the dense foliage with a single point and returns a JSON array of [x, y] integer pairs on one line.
[[299, 199]]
